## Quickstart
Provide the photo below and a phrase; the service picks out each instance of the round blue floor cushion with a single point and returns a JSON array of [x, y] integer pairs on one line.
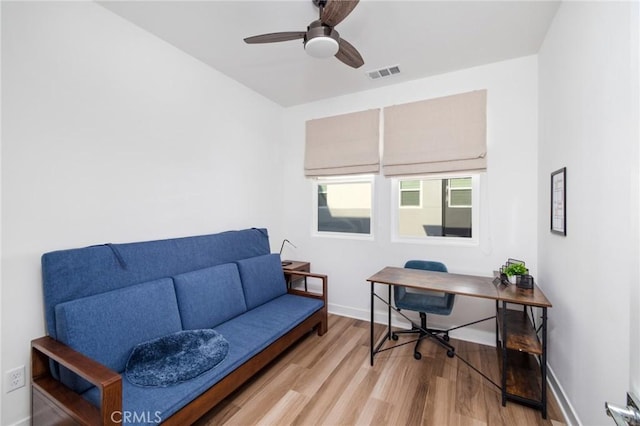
[[175, 358]]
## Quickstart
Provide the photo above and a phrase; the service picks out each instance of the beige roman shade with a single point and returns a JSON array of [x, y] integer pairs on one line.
[[343, 144], [437, 135]]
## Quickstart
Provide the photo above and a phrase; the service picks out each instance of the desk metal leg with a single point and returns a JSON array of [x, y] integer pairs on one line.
[[375, 349], [497, 330], [372, 336], [389, 312], [504, 354]]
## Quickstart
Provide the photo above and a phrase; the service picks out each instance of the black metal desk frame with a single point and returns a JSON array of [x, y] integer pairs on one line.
[[376, 348]]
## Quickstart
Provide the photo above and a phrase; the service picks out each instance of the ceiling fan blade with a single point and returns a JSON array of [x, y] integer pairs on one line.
[[335, 11], [349, 55], [275, 37]]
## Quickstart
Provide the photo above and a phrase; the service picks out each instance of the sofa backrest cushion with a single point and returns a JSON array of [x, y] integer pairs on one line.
[[75, 273], [107, 326], [262, 279], [210, 296]]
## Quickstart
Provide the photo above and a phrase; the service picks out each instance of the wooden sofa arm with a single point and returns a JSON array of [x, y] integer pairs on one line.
[[324, 325], [324, 279], [72, 404]]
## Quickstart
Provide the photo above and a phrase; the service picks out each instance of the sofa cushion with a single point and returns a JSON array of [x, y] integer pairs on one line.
[[83, 272], [107, 326], [262, 279], [248, 334], [175, 358], [210, 296]]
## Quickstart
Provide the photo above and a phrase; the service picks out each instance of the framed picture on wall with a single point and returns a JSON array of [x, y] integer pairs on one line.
[[559, 201]]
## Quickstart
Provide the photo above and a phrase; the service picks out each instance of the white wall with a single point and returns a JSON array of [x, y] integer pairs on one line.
[[508, 214], [635, 111], [0, 207], [111, 135], [588, 123]]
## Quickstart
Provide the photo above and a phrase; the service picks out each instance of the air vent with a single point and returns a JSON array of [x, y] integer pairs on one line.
[[383, 72]]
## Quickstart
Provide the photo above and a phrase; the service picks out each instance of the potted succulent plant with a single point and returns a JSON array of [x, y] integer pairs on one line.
[[513, 270]]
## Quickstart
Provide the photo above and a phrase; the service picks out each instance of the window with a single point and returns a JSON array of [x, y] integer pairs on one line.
[[459, 193], [343, 205], [410, 193], [446, 207]]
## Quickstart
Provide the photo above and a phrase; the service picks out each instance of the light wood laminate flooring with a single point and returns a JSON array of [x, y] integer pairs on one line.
[[328, 381]]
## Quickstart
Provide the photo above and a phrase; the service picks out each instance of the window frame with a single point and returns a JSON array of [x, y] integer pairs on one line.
[[318, 181], [440, 240]]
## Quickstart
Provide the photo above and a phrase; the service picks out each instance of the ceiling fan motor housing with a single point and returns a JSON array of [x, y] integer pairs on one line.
[[321, 41]]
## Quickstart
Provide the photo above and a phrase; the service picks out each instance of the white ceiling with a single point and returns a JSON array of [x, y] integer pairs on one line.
[[423, 37]]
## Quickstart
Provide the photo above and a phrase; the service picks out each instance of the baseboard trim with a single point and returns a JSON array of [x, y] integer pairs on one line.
[[567, 409], [23, 422], [468, 334]]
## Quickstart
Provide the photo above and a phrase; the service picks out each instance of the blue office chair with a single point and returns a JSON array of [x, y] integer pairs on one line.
[[424, 302]]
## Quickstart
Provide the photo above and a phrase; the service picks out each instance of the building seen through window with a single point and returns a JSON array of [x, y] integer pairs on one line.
[[344, 206], [435, 207]]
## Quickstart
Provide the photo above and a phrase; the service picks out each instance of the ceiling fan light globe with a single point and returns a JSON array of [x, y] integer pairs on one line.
[[321, 47]]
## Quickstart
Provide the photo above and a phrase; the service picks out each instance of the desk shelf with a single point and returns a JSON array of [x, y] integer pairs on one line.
[[522, 376], [521, 336], [522, 358]]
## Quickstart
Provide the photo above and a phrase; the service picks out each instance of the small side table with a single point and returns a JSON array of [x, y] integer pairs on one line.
[[290, 266]]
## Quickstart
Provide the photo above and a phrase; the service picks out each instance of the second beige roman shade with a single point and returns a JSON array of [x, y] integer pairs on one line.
[[434, 136], [343, 144]]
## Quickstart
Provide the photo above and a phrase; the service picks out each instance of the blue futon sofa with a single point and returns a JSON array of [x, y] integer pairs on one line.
[[161, 331]]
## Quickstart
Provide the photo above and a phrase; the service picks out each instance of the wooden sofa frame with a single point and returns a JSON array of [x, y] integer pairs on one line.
[[54, 403]]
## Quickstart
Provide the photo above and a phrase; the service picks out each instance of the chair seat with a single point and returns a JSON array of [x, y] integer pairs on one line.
[[439, 305], [425, 302]]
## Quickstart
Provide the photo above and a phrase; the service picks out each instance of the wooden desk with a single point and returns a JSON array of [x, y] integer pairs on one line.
[[518, 338], [465, 285]]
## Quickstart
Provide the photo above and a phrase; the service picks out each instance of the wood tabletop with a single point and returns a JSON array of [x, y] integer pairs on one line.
[[295, 265], [466, 285], [513, 294]]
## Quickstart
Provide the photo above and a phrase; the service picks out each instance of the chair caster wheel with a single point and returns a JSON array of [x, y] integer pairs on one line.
[[446, 337], [417, 355], [450, 353], [394, 336]]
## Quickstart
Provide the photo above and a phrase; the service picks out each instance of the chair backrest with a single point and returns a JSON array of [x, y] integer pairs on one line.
[[427, 265]]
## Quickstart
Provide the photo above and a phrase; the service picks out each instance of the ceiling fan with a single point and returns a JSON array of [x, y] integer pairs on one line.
[[321, 40]]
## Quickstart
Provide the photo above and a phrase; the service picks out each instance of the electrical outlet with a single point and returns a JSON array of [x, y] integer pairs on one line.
[[15, 379]]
